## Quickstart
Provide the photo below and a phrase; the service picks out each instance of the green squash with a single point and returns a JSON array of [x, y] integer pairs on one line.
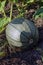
[[21, 33]]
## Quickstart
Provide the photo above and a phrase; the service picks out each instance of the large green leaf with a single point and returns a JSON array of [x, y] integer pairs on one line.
[[38, 13], [2, 54], [2, 4], [3, 23], [14, 1], [41, 0], [30, 1]]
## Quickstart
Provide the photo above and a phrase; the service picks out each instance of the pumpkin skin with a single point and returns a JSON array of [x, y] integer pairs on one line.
[[21, 33]]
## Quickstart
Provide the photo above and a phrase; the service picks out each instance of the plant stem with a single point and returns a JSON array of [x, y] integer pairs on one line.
[[11, 11], [4, 14], [4, 11]]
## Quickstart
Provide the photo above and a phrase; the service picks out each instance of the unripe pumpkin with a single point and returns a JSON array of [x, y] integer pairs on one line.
[[21, 33]]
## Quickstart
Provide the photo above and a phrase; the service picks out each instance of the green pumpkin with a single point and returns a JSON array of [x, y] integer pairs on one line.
[[21, 33]]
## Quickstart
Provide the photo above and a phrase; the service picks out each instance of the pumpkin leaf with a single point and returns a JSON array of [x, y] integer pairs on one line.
[[2, 54], [14, 1], [19, 15], [41, 0], [2, 29], [38, 13], [2, 4], [3, 23], [30, 1]]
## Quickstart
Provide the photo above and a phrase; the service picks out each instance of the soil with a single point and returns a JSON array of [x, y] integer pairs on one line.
[[31, 56]]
